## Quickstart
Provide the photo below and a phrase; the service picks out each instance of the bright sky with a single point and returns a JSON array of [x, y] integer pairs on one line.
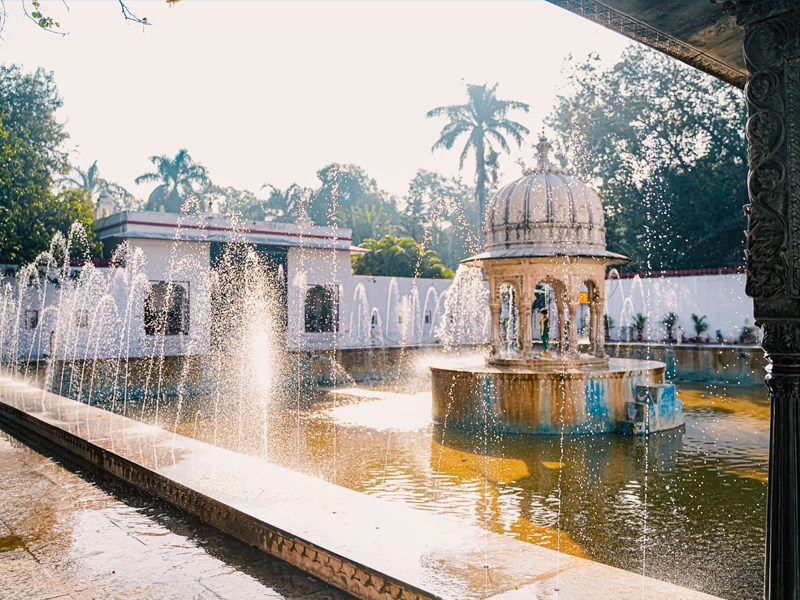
[[270, 91]]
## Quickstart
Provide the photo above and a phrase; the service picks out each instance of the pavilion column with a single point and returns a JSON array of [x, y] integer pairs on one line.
[[600, 340], [592, 327], [494, 309], [573, 329], [527, 314], [772, 56], [562, 329], [522, 326]]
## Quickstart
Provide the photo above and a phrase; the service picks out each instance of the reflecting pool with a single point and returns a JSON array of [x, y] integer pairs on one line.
[[685, 506]]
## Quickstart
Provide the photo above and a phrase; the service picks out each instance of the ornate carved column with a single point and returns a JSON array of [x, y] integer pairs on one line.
[[600, 341], [772, 55], [562, 329], [527, 313], [522, 327], [573, 329]]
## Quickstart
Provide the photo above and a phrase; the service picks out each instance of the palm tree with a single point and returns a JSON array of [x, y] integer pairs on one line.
[[90, 182], [700, 325], [483, 120], [179, 177], [284, 206]]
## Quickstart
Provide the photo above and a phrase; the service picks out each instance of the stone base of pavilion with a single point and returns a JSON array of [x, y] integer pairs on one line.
[[552, 363], [555, 397]]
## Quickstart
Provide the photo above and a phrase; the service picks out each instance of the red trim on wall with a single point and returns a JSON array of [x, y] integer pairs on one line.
[[682, 273], [202, 227]]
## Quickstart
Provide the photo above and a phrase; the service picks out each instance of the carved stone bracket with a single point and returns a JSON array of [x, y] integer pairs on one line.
[[749, 12], [772, 55]]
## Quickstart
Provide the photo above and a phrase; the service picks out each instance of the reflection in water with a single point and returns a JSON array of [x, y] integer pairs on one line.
[[705, 491]]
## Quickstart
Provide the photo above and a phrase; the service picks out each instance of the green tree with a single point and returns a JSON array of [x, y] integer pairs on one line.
[[663, 145], [90, 182], [31, 158], [483, 121], [404, 257], [368, 222], [230, 201], [285, 205], [442, 213], [341, 188], [180, 179]]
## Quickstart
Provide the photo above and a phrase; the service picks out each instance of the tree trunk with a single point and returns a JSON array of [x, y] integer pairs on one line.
[[480, 193]]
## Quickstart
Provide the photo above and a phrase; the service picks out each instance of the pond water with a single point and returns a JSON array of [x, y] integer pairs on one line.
[[686, 506]]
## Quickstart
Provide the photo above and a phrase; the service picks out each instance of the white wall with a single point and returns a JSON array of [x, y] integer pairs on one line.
[[720, 298], [188, 264], [100, 313], [373, 311]]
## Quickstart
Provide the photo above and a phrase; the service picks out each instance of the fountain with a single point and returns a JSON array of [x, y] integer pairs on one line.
[[545, 252]]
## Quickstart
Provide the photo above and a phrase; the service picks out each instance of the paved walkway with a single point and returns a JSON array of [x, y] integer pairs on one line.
[[63, 536]]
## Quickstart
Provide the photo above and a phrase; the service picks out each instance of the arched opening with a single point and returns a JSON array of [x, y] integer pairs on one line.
[[584, 313], [550, 315], [591, 310], [544, 317], [321, 310], [166, 309]]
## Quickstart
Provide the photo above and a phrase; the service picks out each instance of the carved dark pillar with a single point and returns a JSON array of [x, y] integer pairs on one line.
[[772, 54]]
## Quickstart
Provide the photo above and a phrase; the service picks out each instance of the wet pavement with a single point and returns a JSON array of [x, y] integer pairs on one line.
[[65, 535]]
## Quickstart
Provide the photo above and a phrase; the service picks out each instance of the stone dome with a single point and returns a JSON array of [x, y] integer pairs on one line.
[[545, 213]]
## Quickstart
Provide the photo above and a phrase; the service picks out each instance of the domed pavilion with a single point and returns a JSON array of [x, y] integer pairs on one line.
[[547, 229]]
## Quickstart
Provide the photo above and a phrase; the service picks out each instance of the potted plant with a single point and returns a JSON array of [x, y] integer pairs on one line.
[[700, 326], [747, 335], [608, 324], [638, 325], [669, 321]]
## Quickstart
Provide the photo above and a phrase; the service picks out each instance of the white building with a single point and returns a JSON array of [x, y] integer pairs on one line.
[[167, 295]]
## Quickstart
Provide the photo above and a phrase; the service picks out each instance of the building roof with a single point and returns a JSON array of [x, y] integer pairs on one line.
[[215, 228], [701, 33]]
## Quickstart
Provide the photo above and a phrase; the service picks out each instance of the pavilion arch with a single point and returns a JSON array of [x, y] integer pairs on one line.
[[595, 301]]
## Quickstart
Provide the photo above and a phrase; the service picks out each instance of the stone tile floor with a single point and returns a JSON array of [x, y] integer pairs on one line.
[[65, 535]]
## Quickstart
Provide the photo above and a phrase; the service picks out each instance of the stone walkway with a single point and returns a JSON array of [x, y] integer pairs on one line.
[[63, 536]]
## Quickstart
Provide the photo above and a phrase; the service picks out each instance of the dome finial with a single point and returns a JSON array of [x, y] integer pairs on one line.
[[543, 147]]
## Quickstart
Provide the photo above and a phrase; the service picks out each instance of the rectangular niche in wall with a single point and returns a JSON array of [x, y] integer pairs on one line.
[[321, 309], [31, 319], [166, 308]]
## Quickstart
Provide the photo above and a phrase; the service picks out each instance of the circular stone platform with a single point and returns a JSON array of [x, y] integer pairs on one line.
[[472, 394]]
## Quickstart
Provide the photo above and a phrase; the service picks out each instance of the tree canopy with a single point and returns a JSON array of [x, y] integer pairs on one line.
[[31, 158], [404, 257], [442, 214], [664, 146], [343, 187]]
